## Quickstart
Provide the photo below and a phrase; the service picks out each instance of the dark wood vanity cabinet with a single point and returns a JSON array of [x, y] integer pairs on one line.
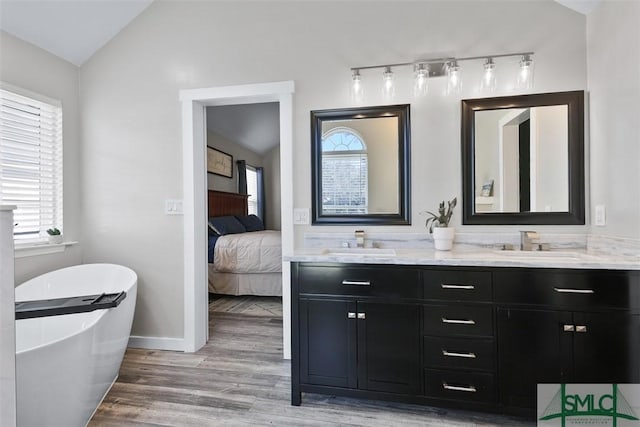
[[466, 337], [360, 345], [353, 329], [565, 327], [459, 342]]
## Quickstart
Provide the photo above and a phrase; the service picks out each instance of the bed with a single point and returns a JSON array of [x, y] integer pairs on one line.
[[244, 259]]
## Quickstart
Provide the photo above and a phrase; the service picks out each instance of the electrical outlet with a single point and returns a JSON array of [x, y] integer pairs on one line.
[[601, 215]]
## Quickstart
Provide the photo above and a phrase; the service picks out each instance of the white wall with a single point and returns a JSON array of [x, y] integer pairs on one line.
[[271, 164], [613, 51], [7, 320], [29, 67], [486, 151], [131, 114], [550, 147], [222, 183]]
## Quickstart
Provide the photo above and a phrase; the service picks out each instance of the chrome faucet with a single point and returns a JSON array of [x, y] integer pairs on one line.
[[359, 238], [528, 241]]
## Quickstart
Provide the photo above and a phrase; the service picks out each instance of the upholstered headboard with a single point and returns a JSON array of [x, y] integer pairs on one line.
[[222, 203]]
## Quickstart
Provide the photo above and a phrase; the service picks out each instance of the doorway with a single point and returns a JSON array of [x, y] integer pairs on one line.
[[194, 102]]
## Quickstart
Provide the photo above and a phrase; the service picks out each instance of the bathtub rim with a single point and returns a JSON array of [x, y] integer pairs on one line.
[[97, 314]]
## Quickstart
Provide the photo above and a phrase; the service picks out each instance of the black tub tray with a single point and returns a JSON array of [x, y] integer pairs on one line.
[[69, 305]]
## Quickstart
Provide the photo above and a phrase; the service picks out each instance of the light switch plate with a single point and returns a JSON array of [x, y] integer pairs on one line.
[[601, 215], [301, 216], [173, 207]]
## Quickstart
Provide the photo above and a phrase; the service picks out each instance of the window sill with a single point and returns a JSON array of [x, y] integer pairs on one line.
[[34, 249]]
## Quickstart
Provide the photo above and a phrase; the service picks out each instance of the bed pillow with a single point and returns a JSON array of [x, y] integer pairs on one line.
[[223, 225], [251, 222]]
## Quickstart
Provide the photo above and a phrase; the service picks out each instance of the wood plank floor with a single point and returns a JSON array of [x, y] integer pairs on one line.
[[240, 379]]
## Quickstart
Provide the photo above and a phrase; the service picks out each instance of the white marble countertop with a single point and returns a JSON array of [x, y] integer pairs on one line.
[[573, 259]]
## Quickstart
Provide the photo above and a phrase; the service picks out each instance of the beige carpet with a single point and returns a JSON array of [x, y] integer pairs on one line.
[[246, 304]]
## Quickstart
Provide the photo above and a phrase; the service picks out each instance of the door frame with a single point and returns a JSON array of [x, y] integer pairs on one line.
[[194, 103]]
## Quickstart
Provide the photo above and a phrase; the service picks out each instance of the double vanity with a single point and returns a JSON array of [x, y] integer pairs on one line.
[[478, 327], [471, 329]]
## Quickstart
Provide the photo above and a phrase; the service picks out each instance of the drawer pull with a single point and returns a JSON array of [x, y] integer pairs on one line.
[[446, 286], [581, 328], [469, 389], [574, 291], [351, 315], [458, 321], [356, 282], [454, 354], [362, 315], [568, 328]]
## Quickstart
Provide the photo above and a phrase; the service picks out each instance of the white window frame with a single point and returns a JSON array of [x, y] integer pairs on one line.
[[52, 217]]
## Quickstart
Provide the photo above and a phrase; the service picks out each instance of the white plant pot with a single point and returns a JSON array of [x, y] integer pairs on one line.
[[57, 239], [443, 238]]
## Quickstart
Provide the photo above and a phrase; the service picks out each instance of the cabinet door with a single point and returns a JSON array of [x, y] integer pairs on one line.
[[606, 348], [328, 342], [389, 347], [532, 348]]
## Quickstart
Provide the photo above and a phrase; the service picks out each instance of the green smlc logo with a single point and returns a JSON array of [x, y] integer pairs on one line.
[[564, 406]]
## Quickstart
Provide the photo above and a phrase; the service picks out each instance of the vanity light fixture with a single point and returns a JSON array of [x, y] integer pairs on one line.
[[426, 69]]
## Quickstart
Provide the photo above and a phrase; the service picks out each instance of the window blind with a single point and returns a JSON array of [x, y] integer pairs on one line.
[[31, 163]]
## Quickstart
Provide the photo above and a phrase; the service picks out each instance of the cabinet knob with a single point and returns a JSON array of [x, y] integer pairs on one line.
[[581, 328], [362, 316], [568, 328], [351, 315]]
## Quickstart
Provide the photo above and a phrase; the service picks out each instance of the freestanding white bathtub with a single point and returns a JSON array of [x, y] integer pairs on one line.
[[66, 364]]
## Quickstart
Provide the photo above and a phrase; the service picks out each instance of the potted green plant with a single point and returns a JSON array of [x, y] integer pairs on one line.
[[55, 235], [438, 225]]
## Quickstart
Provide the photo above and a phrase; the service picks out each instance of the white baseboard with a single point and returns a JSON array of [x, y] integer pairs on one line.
[[157, 343]]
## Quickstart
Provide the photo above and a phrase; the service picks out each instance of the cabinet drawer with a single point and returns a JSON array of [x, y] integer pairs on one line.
[[459, 353], [468, 386], [452, 285], [568, 289], [465, 320], [360, 281]]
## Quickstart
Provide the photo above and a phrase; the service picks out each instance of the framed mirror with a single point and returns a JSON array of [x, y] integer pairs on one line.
[[523, 159], [360, 166]]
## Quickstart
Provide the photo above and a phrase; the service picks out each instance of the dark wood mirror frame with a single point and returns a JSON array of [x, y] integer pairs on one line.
[[576, 213], [403, 217]]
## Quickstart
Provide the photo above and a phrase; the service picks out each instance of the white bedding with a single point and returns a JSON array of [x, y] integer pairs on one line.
[[252, 252]]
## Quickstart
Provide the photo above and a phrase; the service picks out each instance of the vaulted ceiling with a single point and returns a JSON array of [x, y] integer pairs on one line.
[[74, 30]]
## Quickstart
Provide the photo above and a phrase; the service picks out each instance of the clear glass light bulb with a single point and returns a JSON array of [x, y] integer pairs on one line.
[[525, 74], [388, 86], [454, 83], [421, 74], [489, 77], [357, 92]]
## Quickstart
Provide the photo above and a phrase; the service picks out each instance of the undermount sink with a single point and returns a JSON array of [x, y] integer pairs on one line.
[[360, 252], [540, 255]]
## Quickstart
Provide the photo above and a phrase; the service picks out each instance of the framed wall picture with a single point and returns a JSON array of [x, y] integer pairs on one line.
[[487, 188], [219, 162]]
